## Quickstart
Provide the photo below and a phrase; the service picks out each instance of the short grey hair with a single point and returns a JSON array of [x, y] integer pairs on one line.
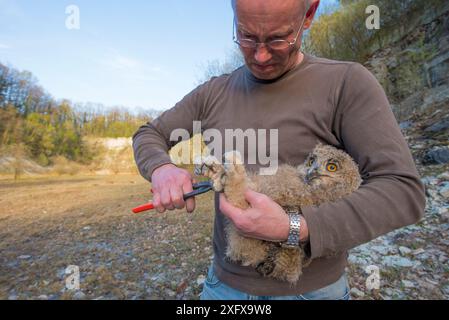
[[234, 4]]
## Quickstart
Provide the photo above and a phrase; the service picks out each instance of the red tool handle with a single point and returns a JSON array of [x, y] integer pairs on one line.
[[145, 207], [199, 188]]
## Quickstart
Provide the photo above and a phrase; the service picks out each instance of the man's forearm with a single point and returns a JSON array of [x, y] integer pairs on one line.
[[150, 150], [380, 206]]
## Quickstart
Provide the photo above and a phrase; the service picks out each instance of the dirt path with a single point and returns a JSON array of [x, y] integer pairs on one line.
[[48, 224]]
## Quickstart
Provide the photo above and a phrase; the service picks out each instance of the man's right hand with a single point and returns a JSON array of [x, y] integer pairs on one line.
[[169, 184]]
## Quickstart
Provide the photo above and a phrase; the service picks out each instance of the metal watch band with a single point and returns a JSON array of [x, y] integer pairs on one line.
[[294, 233]]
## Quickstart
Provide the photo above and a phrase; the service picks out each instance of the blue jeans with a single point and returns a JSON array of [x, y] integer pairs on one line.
[[214, 289]]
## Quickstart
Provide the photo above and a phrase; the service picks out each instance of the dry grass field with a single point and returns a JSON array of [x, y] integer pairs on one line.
[[47, 224]]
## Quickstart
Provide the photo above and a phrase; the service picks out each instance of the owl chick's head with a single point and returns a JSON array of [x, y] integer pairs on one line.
[[330, 169]]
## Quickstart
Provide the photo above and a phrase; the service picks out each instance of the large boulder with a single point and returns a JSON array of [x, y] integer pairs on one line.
[[437, 155]]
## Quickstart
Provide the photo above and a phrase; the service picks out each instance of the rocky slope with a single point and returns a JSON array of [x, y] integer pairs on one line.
[[414, 261], [412, 61]]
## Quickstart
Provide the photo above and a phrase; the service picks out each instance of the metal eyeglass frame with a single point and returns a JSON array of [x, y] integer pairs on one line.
[[254, 43]]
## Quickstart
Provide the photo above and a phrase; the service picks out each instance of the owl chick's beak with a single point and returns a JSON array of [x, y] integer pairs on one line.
[[310, 177], [312, 173]]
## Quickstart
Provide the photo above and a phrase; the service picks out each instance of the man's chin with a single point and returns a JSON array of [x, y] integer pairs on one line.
[[269, 73]]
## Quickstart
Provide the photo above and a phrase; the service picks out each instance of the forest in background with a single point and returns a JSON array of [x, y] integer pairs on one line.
[[342, 34], [34, 125]]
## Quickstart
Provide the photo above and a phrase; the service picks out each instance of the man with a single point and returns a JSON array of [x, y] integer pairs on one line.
[[307, 99]]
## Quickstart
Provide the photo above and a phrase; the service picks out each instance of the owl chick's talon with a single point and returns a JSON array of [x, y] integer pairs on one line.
[[212, 168], [265, 268]]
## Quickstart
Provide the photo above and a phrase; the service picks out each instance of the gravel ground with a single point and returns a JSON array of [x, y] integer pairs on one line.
[[413, 262]]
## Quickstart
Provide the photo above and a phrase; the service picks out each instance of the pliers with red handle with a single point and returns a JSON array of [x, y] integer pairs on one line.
[[198, 188]]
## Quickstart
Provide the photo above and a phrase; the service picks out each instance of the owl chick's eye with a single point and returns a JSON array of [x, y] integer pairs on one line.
[[310, 161], [331, 167]]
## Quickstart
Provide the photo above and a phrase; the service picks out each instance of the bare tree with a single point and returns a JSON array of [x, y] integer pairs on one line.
[[214, 68]]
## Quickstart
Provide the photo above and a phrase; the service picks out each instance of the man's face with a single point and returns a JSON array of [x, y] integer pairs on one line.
[[266, 20]]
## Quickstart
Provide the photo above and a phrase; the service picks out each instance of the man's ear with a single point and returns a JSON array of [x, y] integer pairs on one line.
[[311, 13]]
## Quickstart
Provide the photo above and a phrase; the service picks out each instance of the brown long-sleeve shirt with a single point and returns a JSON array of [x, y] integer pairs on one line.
[[336, 103]]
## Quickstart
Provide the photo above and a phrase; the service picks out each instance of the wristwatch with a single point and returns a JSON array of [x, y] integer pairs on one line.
[[292, 241]]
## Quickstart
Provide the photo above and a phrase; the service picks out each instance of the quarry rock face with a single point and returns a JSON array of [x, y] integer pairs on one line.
[[413, 62]]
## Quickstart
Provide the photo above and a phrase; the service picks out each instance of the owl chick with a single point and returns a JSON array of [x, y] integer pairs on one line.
[[328, 174]]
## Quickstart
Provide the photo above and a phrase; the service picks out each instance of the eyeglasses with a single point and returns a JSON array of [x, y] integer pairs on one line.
[[278, 44]]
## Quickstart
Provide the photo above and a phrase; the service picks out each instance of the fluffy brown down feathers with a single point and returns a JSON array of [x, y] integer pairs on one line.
[[328, 174]]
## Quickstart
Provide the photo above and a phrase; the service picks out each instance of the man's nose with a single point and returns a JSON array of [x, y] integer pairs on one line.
[[262, 54]]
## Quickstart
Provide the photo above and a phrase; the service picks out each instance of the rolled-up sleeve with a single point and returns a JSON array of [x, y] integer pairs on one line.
[[391, 195]]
